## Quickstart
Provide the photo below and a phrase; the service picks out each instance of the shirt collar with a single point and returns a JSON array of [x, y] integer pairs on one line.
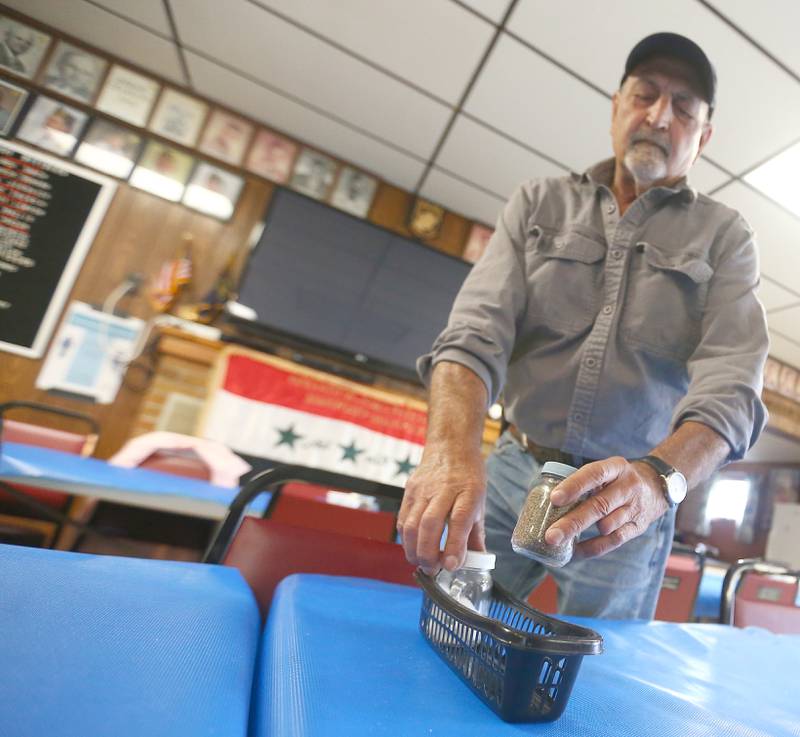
[[602, 173]]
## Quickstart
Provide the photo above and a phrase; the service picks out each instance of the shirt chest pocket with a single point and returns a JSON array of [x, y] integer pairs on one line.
[[665, 302], [565, 274]]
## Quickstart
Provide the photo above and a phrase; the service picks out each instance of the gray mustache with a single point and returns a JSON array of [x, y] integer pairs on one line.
[[663, 145]]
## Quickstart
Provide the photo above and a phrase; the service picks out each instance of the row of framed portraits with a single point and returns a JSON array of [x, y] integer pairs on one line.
[[134, 99], [172, 173], [137, 100]]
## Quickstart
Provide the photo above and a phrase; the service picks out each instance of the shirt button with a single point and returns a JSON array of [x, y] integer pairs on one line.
[[577, 417], [611, 209], [591, 362], [608, 309], [616, 253]]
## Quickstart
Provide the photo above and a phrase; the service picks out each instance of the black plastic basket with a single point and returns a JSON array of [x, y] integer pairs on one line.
[[519, 661]]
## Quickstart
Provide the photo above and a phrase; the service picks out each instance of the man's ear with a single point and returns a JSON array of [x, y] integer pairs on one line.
[[705, 136], [614, 105]]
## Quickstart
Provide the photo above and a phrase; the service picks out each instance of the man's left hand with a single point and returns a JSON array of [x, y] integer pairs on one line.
[[626, 497]]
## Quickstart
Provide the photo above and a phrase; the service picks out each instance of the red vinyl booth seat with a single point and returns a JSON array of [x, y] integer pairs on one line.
[[47, 437], [761, 594], [266, 551], [679, 588]]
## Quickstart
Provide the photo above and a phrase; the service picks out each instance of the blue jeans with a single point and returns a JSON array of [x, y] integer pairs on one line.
[[623, 584]]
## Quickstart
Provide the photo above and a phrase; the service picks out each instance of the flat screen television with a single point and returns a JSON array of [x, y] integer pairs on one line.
[[327, 280]]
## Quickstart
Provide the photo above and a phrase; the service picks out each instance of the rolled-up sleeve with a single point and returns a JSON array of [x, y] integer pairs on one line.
[[726, 369], [482, 326]]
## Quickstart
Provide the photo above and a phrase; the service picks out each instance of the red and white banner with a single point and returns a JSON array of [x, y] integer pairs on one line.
[[275, 409]]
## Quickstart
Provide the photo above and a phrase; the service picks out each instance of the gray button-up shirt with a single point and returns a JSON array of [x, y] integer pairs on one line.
[[606, 332]]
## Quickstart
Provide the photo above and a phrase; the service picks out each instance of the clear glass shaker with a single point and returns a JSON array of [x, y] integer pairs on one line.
[[471, 585], [538, 513]]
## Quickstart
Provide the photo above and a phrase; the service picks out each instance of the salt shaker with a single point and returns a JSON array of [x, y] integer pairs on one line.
[[538, 514], [471, 585]]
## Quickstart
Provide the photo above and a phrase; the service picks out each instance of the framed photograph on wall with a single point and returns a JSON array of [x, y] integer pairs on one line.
[[478, 239], [22, 48], [128, 95], [271, 156], [226, 137], [162, 170], [213, 191], [313, 174], [12, 98], [52, 125], [109, 148], [178, 117], [74, 72], [354, 191]]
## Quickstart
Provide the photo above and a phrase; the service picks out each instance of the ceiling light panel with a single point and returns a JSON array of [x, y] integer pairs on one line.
[[779, 178]]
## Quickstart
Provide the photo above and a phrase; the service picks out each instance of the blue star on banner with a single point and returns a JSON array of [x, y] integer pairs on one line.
[[288, 437]]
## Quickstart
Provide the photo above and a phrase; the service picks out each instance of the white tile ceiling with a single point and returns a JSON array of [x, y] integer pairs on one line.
[[381, 84]]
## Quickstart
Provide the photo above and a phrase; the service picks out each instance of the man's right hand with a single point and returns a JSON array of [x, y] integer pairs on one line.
[[449, 489]]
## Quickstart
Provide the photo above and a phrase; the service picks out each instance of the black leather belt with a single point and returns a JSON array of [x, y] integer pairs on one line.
[[542, 454]]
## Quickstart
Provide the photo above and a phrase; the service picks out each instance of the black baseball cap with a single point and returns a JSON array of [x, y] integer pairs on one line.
[[675, 46]]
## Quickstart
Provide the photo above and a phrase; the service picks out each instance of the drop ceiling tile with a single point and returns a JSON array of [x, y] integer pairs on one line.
[[786, 322], [527, 97], [775, 30], [252, 40], [777, 233], [758, 104], [774, 296], [493, 10], [704, 176], [149, 13], [405, 38], [108, 32], [773, 448], [478, 154], [461, 197], [304, 124], [785, 349]]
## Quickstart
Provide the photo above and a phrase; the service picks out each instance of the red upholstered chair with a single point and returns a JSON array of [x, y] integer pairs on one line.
[[25, 507], [545, 596], [307, 505], [761, 594], [266, 550], [681, 583]]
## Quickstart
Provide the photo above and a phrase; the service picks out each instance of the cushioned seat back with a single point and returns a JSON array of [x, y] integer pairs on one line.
[[679, 588], [266, 551], [178, 464], [46, 437], [768, 601]]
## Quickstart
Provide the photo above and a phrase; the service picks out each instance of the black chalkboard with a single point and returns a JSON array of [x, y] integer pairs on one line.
[[49, 214]]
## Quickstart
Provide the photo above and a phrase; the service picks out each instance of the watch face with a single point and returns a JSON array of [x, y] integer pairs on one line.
[[676, 487]]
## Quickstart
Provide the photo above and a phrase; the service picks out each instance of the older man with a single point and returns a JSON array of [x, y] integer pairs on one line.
[[17, 40], [616, 310]]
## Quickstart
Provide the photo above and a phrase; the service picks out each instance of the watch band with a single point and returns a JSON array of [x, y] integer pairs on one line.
[[665, 472], [662, 467]]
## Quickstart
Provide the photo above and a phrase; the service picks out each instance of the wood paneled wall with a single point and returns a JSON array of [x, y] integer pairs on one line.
[[141, 231]]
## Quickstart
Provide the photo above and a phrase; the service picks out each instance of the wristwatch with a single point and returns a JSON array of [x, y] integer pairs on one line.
[[672, 480]]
